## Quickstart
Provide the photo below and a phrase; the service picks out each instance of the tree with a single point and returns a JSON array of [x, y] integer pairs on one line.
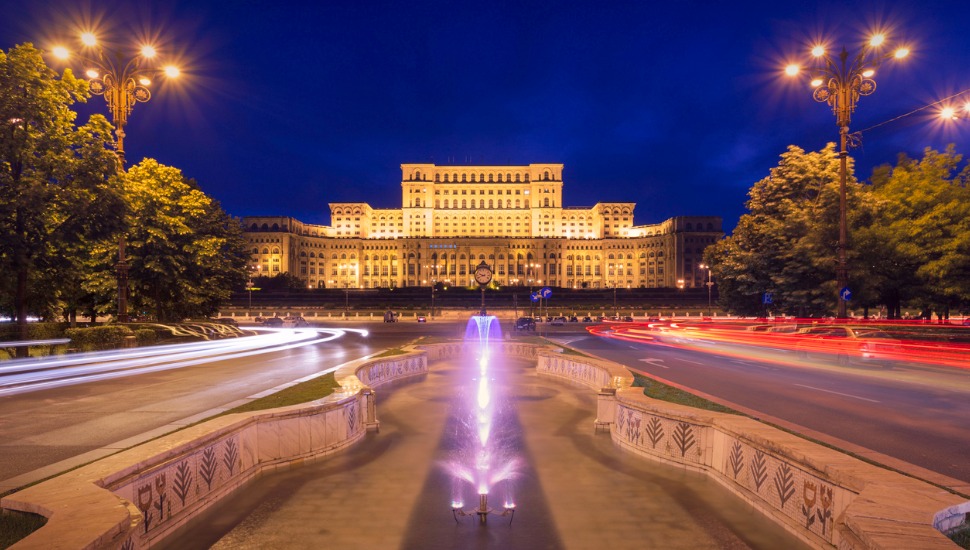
[[185, 253], [921, 232], [59, 182], [787, 242]]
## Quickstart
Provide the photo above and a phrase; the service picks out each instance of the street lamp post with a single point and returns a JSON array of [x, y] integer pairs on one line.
[[122, 84], [840, 84], [709, 283]]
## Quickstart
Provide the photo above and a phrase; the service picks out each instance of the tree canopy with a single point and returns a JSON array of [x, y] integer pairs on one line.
[[908, 237], [60, 188], [184, 252]]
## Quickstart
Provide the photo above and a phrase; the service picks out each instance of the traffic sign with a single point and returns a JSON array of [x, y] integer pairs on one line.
[[767, 298], [534, 296], [546, 292], [845, 294]]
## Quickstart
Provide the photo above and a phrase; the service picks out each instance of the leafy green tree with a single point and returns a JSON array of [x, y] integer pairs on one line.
[[59, 183], [185, 253], [921, 232], [787, 243]]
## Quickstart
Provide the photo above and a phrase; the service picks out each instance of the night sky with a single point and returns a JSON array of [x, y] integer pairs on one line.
[[285, 106]]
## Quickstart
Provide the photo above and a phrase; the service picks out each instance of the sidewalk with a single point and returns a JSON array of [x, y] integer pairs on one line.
[[576, 491]]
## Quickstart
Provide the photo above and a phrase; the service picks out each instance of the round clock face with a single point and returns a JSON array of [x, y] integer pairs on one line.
[[483, 275]]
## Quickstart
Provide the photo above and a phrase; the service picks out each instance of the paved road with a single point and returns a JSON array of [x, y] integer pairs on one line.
[[918, 415], [576, 490], [45, 427]]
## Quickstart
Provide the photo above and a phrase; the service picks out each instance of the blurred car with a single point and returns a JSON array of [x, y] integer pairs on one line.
[[525, 323], [587, 319], [422, 319], [295, 321], [573, 319], [628, 319], [537, 319], [847, 344], [273, 322], [558, 321]]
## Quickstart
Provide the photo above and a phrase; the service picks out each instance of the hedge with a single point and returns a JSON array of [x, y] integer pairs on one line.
[[98, 338]]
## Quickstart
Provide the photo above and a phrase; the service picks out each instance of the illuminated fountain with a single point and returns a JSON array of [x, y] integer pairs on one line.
[[484, 458]]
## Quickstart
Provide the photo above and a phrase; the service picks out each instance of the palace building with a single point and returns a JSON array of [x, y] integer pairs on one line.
[[511, 217]]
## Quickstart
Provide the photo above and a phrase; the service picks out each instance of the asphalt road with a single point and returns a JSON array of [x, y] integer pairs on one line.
[[44, 427], [915, 414]]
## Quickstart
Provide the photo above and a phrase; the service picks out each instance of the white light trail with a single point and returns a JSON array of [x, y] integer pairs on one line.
[[32, 375]]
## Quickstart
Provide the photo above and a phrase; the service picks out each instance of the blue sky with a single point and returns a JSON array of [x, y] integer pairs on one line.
[[679, 106]]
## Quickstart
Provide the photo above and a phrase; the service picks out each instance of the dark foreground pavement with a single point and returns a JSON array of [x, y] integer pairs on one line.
[[576, 490]]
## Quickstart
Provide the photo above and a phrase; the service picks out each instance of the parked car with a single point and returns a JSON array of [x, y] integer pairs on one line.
[[587, 319], [226, 321], [628, 319], [573, 319], [390, 316], [537, 319], [525, 323], [295, 321], [558, 321], [273, 322], [422, 319]]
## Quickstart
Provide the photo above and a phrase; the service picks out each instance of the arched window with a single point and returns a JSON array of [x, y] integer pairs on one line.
[[481, 203], [276, 227], [463, 205], [490, 204], [417, 175], [255, 251], [276, 250], [690, 226], [545, 176], [254, 227], [417, 202], [545, 202], [265, 227]]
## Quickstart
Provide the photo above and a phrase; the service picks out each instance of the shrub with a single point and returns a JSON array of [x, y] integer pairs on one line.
[[146, 336], [98, 338]]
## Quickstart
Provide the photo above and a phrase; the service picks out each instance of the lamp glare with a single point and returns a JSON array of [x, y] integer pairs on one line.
[[901, 53], [61, 52], [948, 113], [144, 81], [818, 51], [816, 82], [792, 70], [148, 52], [172, 71], [877, 40], [88, 39], [91, 73], [868, 73]]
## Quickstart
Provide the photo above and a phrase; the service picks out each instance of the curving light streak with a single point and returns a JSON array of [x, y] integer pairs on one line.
[[900, 341], [29, 376]]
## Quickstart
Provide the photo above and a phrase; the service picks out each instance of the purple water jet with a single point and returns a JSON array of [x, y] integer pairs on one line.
[[484, 459]]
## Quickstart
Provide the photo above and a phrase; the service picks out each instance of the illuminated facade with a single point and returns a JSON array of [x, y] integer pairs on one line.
[[511, 217]]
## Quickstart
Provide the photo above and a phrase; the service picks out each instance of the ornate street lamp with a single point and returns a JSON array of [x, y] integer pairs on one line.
[[840, 83], [122, 84]]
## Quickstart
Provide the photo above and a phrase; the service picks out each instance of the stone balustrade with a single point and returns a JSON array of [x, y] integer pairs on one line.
[[825, 497], [136, 498]]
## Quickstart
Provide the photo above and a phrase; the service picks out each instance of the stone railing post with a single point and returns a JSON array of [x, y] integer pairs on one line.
[[605, 409], [371, 423]]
